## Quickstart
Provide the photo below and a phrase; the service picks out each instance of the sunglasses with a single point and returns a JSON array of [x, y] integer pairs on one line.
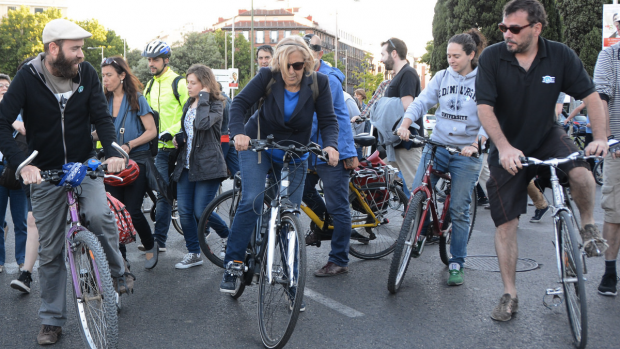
[[391, 43], [316, 48], [515, 29], [109, 61], [296, 66]]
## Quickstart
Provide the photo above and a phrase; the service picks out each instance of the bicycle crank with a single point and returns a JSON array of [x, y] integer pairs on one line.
[[555, 297]]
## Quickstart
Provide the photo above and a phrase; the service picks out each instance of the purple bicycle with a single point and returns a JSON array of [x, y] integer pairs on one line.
[[96, 301]]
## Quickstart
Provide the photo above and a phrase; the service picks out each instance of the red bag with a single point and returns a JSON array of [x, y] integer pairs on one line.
[[126, 230]]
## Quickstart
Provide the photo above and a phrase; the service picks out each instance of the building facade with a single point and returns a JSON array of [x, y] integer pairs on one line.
[[36, 6], [271, 26]]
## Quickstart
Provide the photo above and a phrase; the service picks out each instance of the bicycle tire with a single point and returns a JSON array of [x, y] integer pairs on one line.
[[598, 172], [574, 290], [272, 295], [445, 239], [569, 202], [406, 241], [240, 288], [382, 238], [212, 242], [176, 220], [96, 308]]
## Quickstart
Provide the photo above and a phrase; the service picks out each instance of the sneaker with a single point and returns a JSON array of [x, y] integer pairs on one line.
[[487, 206], [290, 296], [539, 214], [23, 282], [607, 287], [151, 257], [331, 269], [456, 275], [506, 307], [161, 249], [229, 283], [223, 250], [313, 239], [190, 260], [359, 237], [593, 243], [483, 201], [49, 334]]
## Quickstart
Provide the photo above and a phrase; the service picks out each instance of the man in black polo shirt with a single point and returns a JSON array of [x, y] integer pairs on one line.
[[406, 86], [517, 85]]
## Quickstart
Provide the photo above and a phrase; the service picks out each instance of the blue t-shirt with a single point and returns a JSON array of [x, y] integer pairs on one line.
[[290, 102], [133, 124]]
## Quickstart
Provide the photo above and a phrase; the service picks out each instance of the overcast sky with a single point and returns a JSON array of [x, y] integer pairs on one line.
[[372, 20]]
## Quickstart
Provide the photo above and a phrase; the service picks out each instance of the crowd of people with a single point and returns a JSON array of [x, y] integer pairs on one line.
[[498, 101]]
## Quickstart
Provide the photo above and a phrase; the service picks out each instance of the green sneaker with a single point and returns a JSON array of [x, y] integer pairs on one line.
[[456, 277]]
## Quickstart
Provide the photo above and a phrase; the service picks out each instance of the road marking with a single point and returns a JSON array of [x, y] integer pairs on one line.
[[330, 303]]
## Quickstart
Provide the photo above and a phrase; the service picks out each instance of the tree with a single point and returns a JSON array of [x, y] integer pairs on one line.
[[101, 37], [367, 80], [426, 57], [581, 19], [329, 58], [457, 16], [133, 57], [21, 36], [243, 56], [197, 48]]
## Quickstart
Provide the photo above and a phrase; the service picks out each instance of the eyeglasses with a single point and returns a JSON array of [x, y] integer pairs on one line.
[[296, 66], [515, 29], [4, 85]]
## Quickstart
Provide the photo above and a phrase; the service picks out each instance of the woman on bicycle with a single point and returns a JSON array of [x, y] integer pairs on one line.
[[286, 113], [135, 127], [457, 125], [201, 166]]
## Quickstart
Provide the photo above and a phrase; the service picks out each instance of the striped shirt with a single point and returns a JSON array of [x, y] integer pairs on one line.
[[607, 81]]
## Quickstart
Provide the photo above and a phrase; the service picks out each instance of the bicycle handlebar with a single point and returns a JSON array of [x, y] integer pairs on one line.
[[264, 144], [527, 161], [360, 120], [451, 149]]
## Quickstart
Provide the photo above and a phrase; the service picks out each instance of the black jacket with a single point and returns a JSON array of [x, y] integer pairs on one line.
[[299, 126], [206, 160], [58, 141]]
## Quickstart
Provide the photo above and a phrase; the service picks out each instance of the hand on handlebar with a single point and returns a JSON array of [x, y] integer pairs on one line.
[[241, 142], [332, 156], [115, 164], [403, 133], [31, 175], [597, 147], [510, 159], [469, 151]]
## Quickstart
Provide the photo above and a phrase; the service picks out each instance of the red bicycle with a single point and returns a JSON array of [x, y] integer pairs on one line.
[[425, 200]]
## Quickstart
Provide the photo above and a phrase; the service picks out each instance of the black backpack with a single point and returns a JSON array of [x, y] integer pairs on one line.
[[154, 143]]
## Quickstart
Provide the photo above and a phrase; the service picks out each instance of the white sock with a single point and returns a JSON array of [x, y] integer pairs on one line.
[[454, 266]]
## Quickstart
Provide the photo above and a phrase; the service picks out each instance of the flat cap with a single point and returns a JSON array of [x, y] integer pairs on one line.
[[62, 29]]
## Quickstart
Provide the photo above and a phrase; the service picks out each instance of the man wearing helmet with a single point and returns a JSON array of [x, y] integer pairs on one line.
[[166, 94]]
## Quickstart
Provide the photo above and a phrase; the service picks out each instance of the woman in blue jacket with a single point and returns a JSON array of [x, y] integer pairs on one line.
[[286, 113], [457, 125]]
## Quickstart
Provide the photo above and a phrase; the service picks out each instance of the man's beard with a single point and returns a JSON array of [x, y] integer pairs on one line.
[[522, 47], [389, 64], [64, 67]]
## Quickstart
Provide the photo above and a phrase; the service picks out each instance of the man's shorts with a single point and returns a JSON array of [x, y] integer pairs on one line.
[[508, 194], [610, 202]]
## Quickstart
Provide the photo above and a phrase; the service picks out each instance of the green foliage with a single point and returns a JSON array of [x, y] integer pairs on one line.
[[141, 70], [197, 48], [329, 58], [590, 49], [133, 57], [457, 16], [243, 56], [21, 36], [426, 57], [366, 79], [112, 44]]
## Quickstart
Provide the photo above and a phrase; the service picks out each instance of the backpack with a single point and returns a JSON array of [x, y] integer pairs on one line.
[[154, 143], [126, 230]]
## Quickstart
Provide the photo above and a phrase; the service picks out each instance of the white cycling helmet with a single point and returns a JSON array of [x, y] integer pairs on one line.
[[157, 48]]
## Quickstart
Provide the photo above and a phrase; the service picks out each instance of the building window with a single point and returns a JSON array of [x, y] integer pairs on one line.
[[260, 37], [302, 32], [246, 35], [273, 35], [38, 10], [287, 33], [12, 8]]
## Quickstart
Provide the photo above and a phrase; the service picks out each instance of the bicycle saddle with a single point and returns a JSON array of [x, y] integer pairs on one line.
[[364, 139]]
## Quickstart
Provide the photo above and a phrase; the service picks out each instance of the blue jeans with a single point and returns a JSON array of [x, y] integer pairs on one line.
[[19, 213], [232, 159], [253, 177], [464, 171], [336, 189], [192, 199], [163, 212]]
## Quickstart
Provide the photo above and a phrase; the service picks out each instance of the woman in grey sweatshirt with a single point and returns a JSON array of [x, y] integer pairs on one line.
[[457, 125]]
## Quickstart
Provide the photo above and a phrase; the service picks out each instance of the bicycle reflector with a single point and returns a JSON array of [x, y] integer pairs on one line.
[[74, 174]]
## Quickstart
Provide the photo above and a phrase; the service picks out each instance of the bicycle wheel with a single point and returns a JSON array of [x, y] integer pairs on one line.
[[212, 245], [572, 279], [446, 238], [379, 241], [598, 172], [176, 220], [279, 301], [406, 242], [96, 304]]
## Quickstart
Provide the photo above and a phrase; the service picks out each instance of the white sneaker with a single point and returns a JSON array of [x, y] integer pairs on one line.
[[190, 260]]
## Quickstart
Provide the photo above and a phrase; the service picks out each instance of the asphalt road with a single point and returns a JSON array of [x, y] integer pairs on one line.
[[184, 308]]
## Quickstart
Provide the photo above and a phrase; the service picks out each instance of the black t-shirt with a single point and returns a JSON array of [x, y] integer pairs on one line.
[[405, 83], [524, 102]]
